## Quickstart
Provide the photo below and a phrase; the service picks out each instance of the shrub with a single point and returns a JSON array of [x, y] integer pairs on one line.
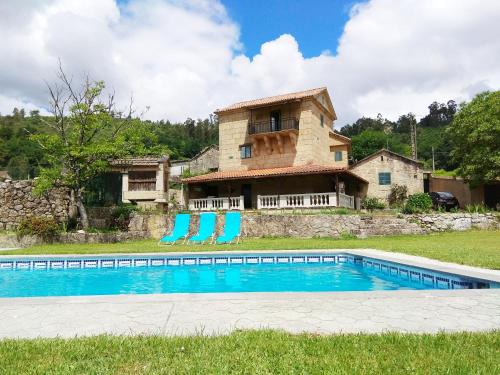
[[476, 208], [372, 203], [46, 228], [398, 195], [418, 203], [120, 216]]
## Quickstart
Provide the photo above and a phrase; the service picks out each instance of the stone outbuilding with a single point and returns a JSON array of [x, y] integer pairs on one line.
[[384, 169], [207, 160], [144, 180]]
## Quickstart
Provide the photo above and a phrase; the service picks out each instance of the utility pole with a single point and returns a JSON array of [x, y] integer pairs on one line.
[[433, 163], [413, 136]]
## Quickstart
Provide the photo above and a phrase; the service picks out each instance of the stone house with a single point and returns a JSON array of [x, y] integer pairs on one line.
[[144, 180], [207, 160], [385, 168], [279, 152]]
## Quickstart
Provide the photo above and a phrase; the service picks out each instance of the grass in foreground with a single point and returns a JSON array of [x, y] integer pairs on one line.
[[257, 352], [475, 248]]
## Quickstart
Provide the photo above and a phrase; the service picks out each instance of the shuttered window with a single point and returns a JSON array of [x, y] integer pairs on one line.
[[384, 178]]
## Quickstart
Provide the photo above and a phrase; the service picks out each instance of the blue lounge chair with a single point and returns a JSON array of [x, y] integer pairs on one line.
[[207, 228], [231, 228], [181, 230]]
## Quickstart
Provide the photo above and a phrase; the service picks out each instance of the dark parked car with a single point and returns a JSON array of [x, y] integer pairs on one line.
[[444, 200]]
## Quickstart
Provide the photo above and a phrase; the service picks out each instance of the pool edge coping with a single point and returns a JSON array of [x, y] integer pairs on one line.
[[394, 257]]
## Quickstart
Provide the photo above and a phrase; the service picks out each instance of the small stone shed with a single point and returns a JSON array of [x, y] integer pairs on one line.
[[384, 169]]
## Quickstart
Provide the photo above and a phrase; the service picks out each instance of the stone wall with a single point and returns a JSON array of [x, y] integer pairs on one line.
[[100, 217], [276, 225], [13, 241], [17, 202]]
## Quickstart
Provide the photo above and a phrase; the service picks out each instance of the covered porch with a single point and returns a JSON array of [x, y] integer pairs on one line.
[[276, 188]]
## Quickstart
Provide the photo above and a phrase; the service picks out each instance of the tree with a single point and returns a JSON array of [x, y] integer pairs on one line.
[[439, 114], [371, 141], [475, 138], [87, 132], [18, 168], [366, 123]]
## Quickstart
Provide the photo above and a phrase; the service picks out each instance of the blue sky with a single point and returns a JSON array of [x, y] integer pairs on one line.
[[316, 25]]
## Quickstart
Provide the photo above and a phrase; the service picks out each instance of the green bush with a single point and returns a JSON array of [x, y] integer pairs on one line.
[[398, 195], [46, 228], [120, 216], [418, 203], [372, 203]]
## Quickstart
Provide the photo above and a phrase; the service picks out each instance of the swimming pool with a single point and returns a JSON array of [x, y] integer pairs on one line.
[[216, 273]]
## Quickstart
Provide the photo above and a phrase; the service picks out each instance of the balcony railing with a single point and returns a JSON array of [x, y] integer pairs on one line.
[[212, 204], [312, 200], [268, 127]]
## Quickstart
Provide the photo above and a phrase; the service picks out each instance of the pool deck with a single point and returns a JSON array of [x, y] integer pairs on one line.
[[422, 311]]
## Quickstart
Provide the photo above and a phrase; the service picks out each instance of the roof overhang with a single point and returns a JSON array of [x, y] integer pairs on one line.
[[270, 173]]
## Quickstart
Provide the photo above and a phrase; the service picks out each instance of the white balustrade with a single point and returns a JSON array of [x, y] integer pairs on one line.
[[236, 203], [268, 201], [310, 200], [214, 204]]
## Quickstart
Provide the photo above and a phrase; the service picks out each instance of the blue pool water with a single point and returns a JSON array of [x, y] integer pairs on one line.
[[195, 279], [216, 274]]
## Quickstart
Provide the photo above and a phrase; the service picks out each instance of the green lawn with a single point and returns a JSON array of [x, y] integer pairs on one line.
[[257, 352], [476, 248]]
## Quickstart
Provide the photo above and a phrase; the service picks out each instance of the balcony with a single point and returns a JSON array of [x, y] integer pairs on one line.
[[267, 126]]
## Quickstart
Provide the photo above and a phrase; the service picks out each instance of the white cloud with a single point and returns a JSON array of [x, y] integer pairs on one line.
[[181, 57]]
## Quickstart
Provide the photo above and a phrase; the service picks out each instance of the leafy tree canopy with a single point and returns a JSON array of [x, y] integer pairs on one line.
[[370, 141], [475, 138]]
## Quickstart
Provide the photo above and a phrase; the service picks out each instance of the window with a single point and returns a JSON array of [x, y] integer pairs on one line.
[[338, 155], [384, 178], [246, 151], [322, 120]]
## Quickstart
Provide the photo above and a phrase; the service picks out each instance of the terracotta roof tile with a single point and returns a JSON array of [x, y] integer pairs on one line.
[[269, 172], [146, 160], [273, 99]]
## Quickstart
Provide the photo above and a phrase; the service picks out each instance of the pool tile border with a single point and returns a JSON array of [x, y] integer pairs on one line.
[[411, 274]]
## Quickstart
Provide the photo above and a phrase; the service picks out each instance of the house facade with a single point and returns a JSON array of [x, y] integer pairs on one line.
[[279, 152], [385, 168]]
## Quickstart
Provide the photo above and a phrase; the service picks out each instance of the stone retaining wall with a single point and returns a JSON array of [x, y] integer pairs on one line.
[[17, 201], [11, 240], [100, 217], [260, 225]]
